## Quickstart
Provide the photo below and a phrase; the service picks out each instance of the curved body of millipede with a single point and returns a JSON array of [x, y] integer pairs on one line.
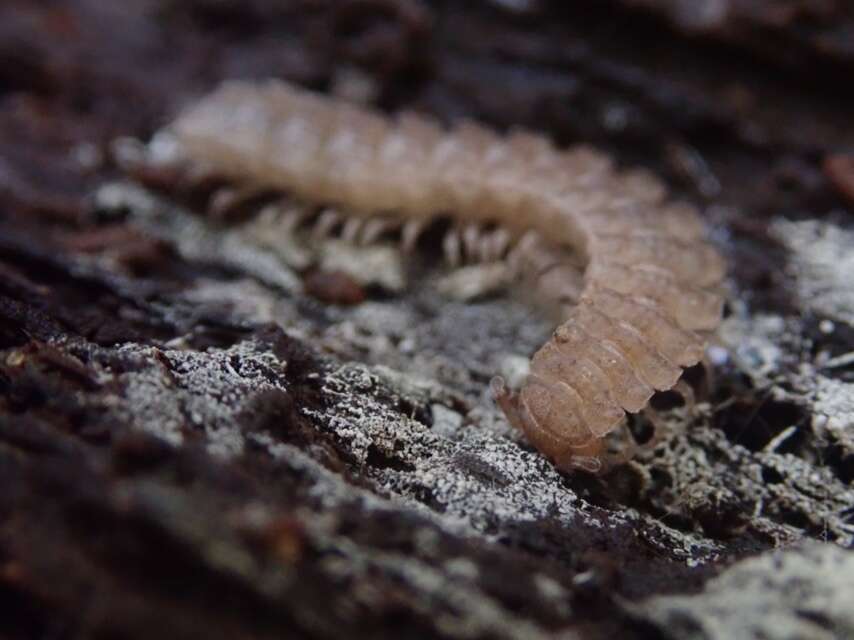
[[649, 288]]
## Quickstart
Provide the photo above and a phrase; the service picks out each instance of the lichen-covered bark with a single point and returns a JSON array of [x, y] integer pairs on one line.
[[191, 445], [797, 593]]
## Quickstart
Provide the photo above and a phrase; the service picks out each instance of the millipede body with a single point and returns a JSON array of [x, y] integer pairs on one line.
[[641, 305]]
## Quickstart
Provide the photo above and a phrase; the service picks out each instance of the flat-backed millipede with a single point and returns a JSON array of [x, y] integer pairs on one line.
[[648, 294]]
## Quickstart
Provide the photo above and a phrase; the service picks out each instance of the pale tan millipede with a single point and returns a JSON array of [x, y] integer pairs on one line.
[[649, 289]]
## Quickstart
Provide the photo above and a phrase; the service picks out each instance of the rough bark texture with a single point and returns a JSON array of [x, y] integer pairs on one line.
[[191, 445]]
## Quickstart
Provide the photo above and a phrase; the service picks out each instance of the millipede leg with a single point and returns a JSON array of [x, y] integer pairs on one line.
[[495, 245], [472, 237], [687, 392], [226, 199], [521, 253], [451, 247], [507, 401], [292, 216], [374, 228], [627, 452], [590, 464], [326, 222], [351, 229], [410, 233]]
